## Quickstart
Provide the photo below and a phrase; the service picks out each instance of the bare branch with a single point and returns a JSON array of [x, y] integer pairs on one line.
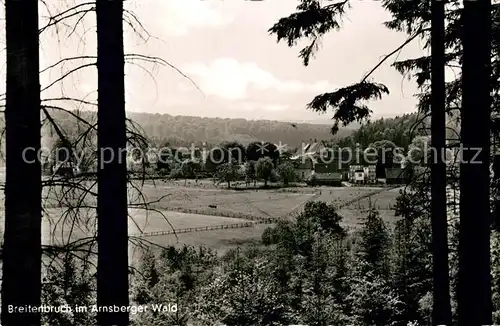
[[67, 60], [158, 60], [67, 74]]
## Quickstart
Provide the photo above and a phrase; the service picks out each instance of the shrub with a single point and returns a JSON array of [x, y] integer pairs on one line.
[[268, 236], [227, 172], [176, 173], [286, 173], [264, 169], [312, 180]]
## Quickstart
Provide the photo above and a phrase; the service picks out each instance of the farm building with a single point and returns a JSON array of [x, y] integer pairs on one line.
[[395, 176], [362, 173], [357, 175], [326, 168], [339, 164], [328, 174], [66, 169], [337, 158], [307, 150], [370, 173], [303, 167], [331, 179]]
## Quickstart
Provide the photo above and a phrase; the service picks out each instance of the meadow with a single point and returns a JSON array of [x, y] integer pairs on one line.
[[202, 213]]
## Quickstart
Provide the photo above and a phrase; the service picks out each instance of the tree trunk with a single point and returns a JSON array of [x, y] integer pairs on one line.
[[112, 237], [474, 278], [22, 256], [441, 310]]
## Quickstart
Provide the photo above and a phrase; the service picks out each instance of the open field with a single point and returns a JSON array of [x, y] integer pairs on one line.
[[244, 203], [58, 226], [270, 203], [186, 209], [221, 240], [380, 199]]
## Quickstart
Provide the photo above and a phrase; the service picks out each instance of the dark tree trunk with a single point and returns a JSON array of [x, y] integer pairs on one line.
[[474, 279], [496, 207], [441, 310], [22, 256], [112, 271]]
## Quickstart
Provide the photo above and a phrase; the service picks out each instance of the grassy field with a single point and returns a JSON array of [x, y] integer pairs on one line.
[[220, 240], [59, 224], [182, 207], [257, 203], [270, 203]]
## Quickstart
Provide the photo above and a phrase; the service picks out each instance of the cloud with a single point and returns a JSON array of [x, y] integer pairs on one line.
[[229, 79], [275, 107], [176, 17], [255, 106]]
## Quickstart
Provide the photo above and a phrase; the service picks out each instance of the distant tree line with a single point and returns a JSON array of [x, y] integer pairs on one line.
[[186, 130], [399, 130]]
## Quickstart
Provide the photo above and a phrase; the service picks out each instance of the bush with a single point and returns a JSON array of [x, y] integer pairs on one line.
[[312, 181], [286, 173], [164, 172], [250, 171], [268, 236], [227, 172], [264, 169], [71, 283], [273, 177], [176, 174]]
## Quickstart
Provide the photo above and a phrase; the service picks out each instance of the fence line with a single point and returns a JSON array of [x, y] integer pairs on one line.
[[204, 228], [239, 215], [376, 192]]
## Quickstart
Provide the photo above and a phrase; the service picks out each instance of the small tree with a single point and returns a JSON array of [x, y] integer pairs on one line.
[[419, 150], [164, 162], [319, 215], [250, 173], [375, 244], [259, 149], [495, 273], [234, 151], [286, 173], [244, 293], [146, 278], [62, 151], [189, 169], [69, 284], [176, 173], [227, 172], [313, 180], [264, 168]]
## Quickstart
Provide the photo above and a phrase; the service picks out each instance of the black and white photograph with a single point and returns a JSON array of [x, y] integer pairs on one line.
[[250, 162]]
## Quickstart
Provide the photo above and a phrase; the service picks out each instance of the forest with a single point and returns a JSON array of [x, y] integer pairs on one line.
[[186, 130], [182, 131]]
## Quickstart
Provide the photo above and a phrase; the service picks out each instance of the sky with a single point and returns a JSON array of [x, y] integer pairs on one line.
[[224, 47]]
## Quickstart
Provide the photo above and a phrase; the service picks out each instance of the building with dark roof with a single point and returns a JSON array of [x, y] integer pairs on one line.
[[327, 174], [395, 176]]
